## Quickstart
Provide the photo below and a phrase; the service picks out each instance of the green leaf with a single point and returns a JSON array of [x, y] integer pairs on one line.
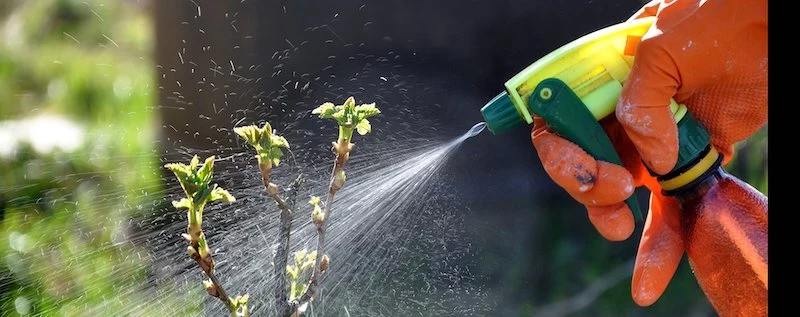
[[181, 171], [349, 103], [299, 256], [219, 194], [183, 203], [276, 155], [204, 174], [363, 127], [266, 143], [366, 111], [326, 110], [186, 177], [196, 183], [202, 246], [292, 271], [249, 133], [242, 299], [194, 162], [307, 265], [279, 141]]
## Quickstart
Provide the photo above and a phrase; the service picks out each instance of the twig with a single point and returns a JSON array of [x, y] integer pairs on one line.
[[218, 291], [281, 292], [590, 294], [336, 182]]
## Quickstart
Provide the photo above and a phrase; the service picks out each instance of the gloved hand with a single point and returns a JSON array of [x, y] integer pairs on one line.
[[709, 55]]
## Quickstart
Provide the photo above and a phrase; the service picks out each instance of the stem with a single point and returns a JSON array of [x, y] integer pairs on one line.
[[345, 134], [282, 256], [208, 269], [342, 155], [222, 295], [280, 294]]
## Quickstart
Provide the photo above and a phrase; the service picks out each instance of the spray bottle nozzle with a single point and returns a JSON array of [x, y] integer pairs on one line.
[[500, 114]]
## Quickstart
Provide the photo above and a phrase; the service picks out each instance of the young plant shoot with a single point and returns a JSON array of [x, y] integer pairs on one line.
[[196, 184], [292, 298]]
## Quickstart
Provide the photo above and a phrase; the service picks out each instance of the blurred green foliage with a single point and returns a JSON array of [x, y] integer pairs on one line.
[[749, 163], [65, 214]]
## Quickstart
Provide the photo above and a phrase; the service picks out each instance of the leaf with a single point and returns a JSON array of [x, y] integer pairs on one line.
[[186, 177], [366, 111], [299, 255], [363, 127], [279, 141], [325, 110], [183, 203], [219, 194], [266, 143], [182, 171], [292, 271], [312, 256], [349, 103], [204, 174], [249, 133], [308, 264], [194, 162], [242, 299], [196, 183], [275, 153]]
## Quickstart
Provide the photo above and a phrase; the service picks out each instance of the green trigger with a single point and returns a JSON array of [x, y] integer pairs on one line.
[[569, 117]]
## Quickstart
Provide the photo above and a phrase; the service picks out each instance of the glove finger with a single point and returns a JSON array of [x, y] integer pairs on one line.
[[613, 222], [613, 184], [643, 107], [660, 251], [566, 163]]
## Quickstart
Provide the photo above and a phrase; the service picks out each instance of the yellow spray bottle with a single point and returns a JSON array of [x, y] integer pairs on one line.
[[572, 88], [723, 219]]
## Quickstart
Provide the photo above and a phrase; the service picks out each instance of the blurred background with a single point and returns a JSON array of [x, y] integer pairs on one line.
[[96, 95]]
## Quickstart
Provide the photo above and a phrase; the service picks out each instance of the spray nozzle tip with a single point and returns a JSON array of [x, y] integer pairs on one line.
[[476, 129], [500, 114]]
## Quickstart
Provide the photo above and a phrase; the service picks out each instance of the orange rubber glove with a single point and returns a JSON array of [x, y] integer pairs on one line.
[[709, 55]]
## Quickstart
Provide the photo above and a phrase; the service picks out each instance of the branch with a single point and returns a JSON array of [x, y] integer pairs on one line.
[[590, 294], [281, 294], [196, 183], [336, 182], [207, 265]]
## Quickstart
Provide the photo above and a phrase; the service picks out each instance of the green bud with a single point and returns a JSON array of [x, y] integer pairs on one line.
[[266, 143], [203, 246], [349, 116], [318, 216]]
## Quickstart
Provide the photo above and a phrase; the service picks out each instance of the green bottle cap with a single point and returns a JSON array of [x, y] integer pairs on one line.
[[693, 139], [500, 114]]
